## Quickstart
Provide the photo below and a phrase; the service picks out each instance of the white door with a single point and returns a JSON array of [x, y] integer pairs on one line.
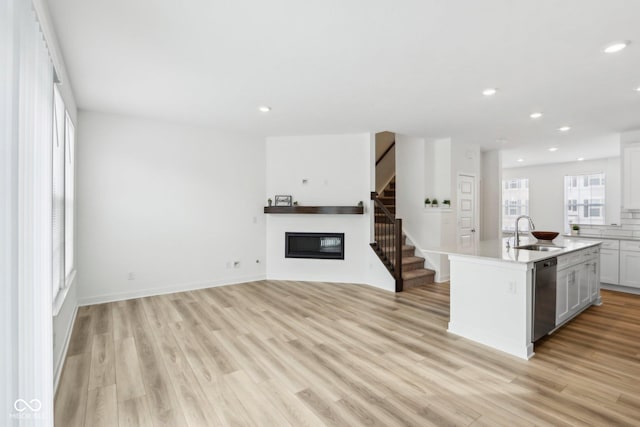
[[466, 210]]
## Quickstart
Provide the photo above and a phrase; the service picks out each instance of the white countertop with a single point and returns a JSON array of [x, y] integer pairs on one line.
[[496, 250], [604, 236]]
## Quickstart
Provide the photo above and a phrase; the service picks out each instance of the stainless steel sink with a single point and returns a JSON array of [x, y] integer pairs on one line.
[[541, 248]]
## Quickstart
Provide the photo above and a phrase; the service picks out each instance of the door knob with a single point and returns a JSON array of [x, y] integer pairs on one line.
[[473, 230]]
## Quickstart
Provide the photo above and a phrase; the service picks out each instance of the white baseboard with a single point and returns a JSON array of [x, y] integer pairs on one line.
[[619, 288], [140, 293], [443, 279], [58, 368]]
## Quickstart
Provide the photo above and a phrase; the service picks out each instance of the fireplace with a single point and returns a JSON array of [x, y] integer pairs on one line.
[[314, 245]]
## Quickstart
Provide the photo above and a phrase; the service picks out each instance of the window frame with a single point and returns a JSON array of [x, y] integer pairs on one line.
[[583, 201], [513, 207], [63, 270]]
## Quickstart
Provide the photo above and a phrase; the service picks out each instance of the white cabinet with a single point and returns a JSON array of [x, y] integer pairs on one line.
[[609, 266], [631, 176], [573, 289], [577, 283], [630, 263], [584, 282]]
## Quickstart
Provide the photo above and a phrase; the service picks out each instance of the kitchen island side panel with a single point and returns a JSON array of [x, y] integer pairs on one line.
[[491, 304]]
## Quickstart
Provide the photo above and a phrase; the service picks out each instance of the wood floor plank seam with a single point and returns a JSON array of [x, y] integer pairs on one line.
[[285, 353]]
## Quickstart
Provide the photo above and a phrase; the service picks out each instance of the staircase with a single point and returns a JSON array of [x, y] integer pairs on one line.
[[387, 236]]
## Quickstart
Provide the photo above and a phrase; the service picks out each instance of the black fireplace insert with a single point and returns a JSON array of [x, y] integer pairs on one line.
[[314, 245]]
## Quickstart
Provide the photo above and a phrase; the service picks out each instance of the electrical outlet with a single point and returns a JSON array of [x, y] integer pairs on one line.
[[236, 264]]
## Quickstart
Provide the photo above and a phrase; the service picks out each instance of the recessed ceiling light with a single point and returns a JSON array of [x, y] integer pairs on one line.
[[552, 149], [264, 109], [616, 47], [520, 160], [536, 115], [580, 159], [638, 89], [490, 91], [564, 128]]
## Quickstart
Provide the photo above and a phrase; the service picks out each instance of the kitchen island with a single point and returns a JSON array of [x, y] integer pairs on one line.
[[491, 289]]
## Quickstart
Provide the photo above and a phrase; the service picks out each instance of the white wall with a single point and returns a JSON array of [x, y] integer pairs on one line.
[[165, 207], [338, 170], [491, 195], [437, 169], [410, 186], [430, 168], [546, 189]]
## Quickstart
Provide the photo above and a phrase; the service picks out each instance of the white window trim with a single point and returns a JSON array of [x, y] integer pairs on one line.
[[580, 178], [69, 279], [62, 294]]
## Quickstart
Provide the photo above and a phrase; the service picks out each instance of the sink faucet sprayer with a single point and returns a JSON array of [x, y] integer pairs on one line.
[[516, 239]]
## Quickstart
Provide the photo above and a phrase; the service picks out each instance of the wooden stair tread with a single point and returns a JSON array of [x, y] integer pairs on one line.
[[411, 259], [404, 248], [414, 274]]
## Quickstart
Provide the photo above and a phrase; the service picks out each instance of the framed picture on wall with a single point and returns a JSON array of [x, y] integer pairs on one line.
[[283, 200]]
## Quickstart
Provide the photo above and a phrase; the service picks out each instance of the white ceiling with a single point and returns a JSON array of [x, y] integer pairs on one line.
[[333, 66]]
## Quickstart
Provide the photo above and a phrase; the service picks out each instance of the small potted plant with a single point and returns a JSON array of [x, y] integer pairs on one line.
[[447, 203], [269, 202], [360, 204], [427, 202], [434, 203], [575, 229], [295, 203]]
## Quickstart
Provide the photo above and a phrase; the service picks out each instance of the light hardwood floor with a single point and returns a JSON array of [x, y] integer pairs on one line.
[[275, 353]]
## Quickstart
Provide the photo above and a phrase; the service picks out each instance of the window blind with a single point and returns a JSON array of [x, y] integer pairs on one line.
[[57, 191]]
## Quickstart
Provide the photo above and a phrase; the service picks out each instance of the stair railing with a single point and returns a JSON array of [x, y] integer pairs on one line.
[[388, 239]]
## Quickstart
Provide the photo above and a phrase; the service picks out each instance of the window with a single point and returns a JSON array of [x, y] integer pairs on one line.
[[515, 201], [584, 203], [62, 221]]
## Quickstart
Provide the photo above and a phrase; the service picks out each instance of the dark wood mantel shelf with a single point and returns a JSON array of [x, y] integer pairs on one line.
[[326, 210]]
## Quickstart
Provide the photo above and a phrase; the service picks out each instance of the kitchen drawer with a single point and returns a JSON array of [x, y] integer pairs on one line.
[[568, 260], [586, 254], [630, 245], [610, 244]]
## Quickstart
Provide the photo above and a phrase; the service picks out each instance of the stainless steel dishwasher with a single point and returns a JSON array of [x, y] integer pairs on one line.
[[544, 298]]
